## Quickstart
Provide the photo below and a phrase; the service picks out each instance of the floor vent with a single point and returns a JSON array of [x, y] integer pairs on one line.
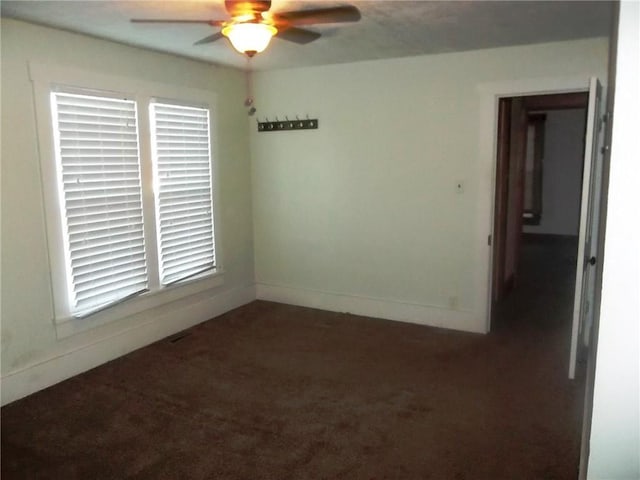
[[178, 336]]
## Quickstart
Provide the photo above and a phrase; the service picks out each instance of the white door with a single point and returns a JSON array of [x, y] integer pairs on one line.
[[587, 235]]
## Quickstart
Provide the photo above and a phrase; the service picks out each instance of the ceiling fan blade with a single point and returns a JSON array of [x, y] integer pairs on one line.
[[213, 23], [348, 13], [209, 39], [297, 35]]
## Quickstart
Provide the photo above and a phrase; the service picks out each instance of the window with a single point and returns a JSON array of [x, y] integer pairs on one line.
[[532, 207], [183, 190], [107, 222]]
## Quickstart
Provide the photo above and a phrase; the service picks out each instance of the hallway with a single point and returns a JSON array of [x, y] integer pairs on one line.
[[542, 299]]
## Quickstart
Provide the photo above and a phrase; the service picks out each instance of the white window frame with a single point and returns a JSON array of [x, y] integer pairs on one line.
[[48, 78]]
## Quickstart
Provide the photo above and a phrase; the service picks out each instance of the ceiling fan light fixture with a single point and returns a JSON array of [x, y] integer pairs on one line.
[[251, 37]]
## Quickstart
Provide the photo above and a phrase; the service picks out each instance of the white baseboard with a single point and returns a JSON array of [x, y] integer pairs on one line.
[[373, 307], [43, 374]]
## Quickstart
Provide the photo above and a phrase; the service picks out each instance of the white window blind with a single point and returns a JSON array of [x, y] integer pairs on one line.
[[184, 204], [99, 170]]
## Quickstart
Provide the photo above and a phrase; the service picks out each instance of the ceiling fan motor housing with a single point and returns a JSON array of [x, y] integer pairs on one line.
[[240, 7]]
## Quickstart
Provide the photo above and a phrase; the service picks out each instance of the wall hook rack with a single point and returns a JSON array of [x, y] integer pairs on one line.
[[279, 125]]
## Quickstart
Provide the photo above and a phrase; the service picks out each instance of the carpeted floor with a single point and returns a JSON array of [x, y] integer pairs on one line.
[[272, 391]]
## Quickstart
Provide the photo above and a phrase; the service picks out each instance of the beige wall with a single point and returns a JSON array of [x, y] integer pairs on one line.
[[363, 214], [562, 173], [32, 355], [615, 430]]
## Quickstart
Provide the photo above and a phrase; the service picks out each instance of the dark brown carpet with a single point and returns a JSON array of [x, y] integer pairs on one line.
[[271, 391]]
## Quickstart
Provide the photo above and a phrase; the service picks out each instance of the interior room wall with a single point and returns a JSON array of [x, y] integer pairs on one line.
[[32, 355], [561, 173], [376, 211], [615, 429]]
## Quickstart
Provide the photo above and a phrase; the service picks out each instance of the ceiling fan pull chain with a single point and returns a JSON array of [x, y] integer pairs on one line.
[[249, 101]]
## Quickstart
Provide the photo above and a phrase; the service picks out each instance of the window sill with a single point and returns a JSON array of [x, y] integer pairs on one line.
[[66, 327]]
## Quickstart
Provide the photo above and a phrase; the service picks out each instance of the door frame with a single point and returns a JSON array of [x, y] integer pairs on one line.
[[505, 145], [490, 94]]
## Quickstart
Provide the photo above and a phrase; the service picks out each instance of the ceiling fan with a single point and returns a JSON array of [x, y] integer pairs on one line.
[[252, 26]]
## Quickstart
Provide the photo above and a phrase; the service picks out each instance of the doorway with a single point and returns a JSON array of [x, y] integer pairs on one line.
[[538, 194], [540, 154]]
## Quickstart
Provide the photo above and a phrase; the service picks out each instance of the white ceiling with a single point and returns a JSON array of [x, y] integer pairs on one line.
[[387, 28]]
